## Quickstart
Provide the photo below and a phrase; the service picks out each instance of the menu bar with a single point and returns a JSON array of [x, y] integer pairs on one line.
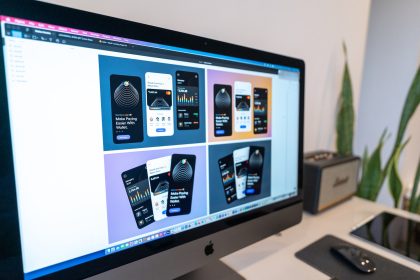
[[63, 35]]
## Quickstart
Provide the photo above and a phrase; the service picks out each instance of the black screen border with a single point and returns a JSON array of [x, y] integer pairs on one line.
[[58, 15]]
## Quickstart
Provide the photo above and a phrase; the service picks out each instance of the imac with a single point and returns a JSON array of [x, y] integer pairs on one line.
[[135, 152]]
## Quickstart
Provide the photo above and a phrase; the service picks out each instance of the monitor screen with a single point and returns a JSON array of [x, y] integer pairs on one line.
[[118, 142]]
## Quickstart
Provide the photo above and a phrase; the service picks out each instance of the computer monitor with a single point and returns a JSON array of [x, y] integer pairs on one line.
[[133, 151]]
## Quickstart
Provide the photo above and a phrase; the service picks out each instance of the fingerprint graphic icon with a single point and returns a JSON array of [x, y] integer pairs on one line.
[[159, 103], [242, 106], [222, 99], [256, 160], [242, 172], [162, 187], [182, 172], [126, 95]]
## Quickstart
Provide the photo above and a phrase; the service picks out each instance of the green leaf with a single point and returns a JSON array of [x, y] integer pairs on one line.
[[411, 103], [345, 116], [394, 182], [414, 203], [371, 181], [365, 160], [394, 179]]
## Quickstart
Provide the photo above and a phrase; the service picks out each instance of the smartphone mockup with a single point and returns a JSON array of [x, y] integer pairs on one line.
[[222, 110], [136, 185], [159, 180], [260, 110], [126, 109], [242, 93], [181, 185], [227, 172], [240, 161], [255, 170], [187, 101], [159, 112]]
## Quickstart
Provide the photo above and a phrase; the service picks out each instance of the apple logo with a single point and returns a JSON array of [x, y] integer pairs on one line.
[[208, 250]]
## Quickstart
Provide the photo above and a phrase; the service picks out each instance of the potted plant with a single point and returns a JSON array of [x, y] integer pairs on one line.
[[373, 175]]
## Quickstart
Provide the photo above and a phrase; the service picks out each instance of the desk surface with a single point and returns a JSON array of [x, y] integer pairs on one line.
[[275, 255]]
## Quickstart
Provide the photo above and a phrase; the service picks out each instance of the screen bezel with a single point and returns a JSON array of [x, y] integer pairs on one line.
[[63, 16]]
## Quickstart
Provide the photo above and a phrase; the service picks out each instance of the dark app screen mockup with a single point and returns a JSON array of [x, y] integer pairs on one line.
[[126, 107], [137, 187], [255, 170], [260, 110], [228, 178], [181, 187], [222, 110], [187, 101]]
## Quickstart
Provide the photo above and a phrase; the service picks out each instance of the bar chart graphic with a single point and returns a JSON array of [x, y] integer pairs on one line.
[[259, 109], [228, 177], [187, 100], [137, 194]]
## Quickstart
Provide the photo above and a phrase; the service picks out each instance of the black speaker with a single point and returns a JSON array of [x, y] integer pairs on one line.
[[328, 179]]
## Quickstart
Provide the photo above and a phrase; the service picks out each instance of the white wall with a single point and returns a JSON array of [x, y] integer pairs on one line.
[[312, 30], [391, 60]]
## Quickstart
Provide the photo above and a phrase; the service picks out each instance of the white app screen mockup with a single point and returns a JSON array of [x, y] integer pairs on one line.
[[158, 172], [240, 161], [159, 96], [242, 93]]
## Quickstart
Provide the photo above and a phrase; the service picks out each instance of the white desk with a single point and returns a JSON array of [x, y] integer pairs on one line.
[[274, 257]]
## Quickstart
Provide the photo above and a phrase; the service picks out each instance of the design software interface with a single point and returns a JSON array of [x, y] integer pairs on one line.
[[118, 142]]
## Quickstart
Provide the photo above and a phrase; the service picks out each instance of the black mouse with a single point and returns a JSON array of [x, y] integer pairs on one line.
[[359, 259]]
